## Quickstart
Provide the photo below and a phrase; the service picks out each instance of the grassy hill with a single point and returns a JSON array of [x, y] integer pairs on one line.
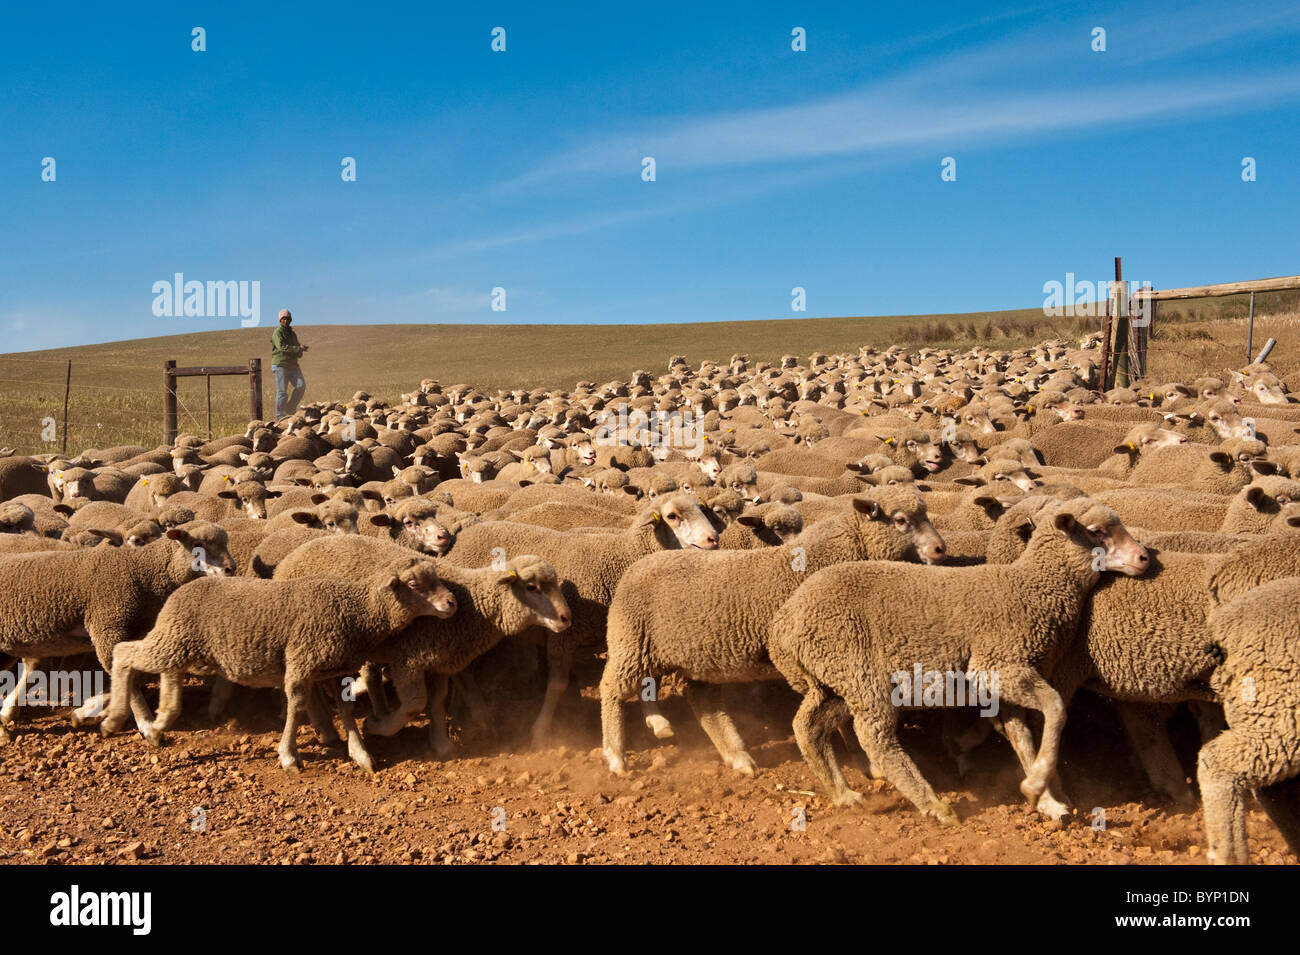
[[117, 388]]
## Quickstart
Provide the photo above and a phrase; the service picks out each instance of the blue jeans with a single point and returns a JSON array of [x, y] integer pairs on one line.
[[287, 377]]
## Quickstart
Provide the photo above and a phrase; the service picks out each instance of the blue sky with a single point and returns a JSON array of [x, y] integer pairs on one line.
[[522, 169]]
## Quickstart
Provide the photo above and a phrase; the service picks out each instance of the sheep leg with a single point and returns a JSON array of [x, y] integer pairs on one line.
[[1144, 725], [813, 725], [655, 720], [1025, 687], [90, 709], [559, 660], [408, 684], [169, 707], [616, 683], [130, 657], [1222, 788], [222, 690], [878, 739], [18, 694], [296, 694], [371, 683], [438, 738], [1021, 737], [356, 748], [321, 715], [706, 702], [1282, 803]]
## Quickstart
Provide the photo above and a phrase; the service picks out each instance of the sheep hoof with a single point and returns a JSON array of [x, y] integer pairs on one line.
[[109, 726], [291, 765], [443, 751], [151, 736], [742, 763], [1032, 790], [848, 799], [616, 764], [1051, 808], [361, 758], [659, 726], [944, 814]]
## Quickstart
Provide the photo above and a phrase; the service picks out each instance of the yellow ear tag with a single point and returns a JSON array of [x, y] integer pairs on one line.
[[656, 517], [889, 441], [1029, 408], [1131, 446], [513, 574], [144, 480]]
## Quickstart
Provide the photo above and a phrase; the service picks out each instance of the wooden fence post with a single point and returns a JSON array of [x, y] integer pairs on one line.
[[1119, 308], [255, 389], [67, 388], [169, 403]]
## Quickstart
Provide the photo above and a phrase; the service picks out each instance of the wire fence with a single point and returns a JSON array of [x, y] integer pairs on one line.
[[48, 405]]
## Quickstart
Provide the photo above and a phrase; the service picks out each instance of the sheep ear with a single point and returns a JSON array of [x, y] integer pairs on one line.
[[1222, 458], [303, 517], [749, 520], [1064, 522], [868, 507], [1263, 467], [868, 479], [176, 534], [1293, 520], [507, 579], [1256, 497], [973, 480], [113, 537], [319, 498], [64, 509], [630, 489], [396, 471], [227, 494], [381, 519]]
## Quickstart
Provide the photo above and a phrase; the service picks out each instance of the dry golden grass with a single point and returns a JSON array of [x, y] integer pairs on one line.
[[117, 388]]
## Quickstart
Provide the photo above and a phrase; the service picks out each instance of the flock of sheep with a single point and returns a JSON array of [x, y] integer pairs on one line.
[[839, 524]]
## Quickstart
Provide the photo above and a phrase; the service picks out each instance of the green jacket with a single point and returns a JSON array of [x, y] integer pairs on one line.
[[285, 349]]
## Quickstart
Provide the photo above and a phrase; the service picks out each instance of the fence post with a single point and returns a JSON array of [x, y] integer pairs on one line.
[[208, 380], [1250, 335], [255, 389], [1121, 328], [67, 387], [169, 403]]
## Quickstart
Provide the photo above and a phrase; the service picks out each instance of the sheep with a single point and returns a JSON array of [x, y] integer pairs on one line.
[[152, 491], [22, 475], [590, 572], [17, 519], [1258, 506], [768, 525], [706, 615], [1257, 682], [1224, 469], [65, 602], [849, 631], [491, 604], [290, 633], [413, 522]]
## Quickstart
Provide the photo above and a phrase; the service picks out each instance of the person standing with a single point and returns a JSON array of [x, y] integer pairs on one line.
[[285, 352]]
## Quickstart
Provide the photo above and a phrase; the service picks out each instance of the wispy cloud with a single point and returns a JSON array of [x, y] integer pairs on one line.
[[985, 96]]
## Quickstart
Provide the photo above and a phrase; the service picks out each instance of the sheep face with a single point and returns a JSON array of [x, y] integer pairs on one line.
[[1268, 390], [1102, 528], [682, 518], [774, 524], [204, 547], [415, 582], [334, 517], [533, 583], [1149, 437], [903, 510], [146, 532]]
